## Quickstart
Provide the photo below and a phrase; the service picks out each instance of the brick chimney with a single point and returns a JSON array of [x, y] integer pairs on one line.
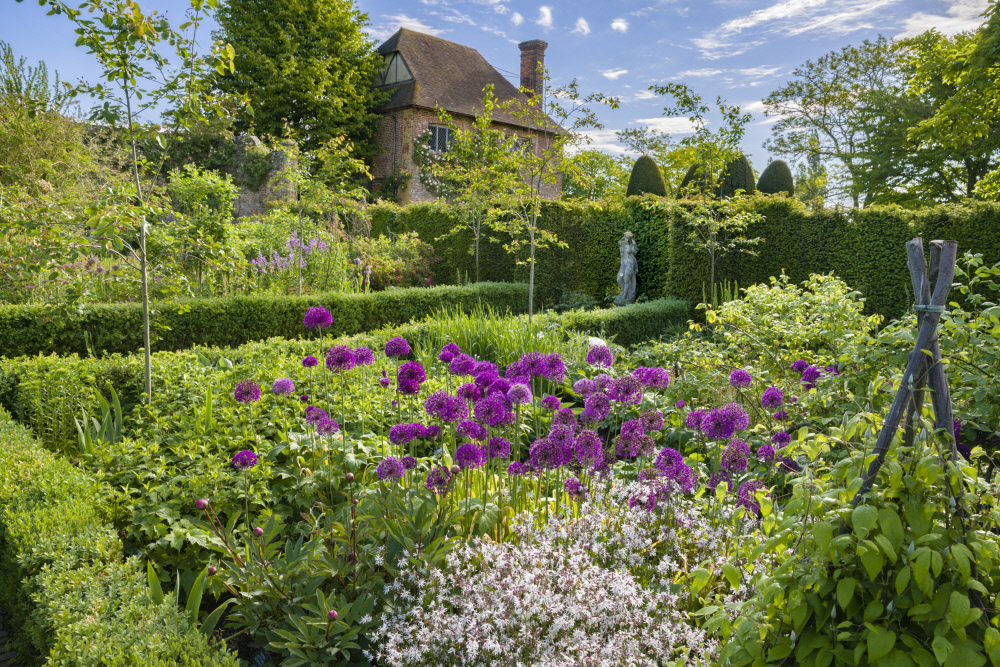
[[532, 60]]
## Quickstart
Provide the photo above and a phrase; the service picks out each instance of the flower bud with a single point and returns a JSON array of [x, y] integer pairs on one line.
[[258, 531], [332, 615], [455, 470], [349, 477], [202, 503], [212, 570]]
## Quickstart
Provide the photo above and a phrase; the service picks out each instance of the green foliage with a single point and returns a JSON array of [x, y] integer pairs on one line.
[[646, 179], [205, 199], [597, 176], [672, 158], [231, 321], [306, 67], [65, 585], [776, 178], [737, 176], [696, 180]]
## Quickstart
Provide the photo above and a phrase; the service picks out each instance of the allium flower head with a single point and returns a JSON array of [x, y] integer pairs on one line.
[[788, 464], [485, 368], [652, 420], [462, 364], [327, 426], [809, 377], [716, 426], [397, 347], [490, 410], [565, 417], [717, 478], [772, 398], [470, 455], [671, 465], [499, 385], [310, 361], [385, 382], [390, 469], [519, 394], [550, 403], [446, 407], [597, 406], [469, 392], [314, 414], [747, 495], [317, 317], [588, 450], [439, 480], [680, 404], [485, 380], [765, 453], [283, 387], [247, 391], [553, 367], [740, 379], [499, 448], [409, 463], [632, 429], [781, 438], [781, 415], [448, 352], [244, 460], [404, 434], [339, 359], [600, 355], [800, 365], [363, 356], [471, 430], [584, 387], [695, 419], [735, 455], [411, 372], [432, 432], [603, 380], [626, 389], [574, 489], [517, 469], [408, 388], [546, 455], [652, 378], [736, 414]]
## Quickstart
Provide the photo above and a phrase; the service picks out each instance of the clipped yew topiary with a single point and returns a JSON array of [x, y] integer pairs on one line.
[[777, 178], [646, 179], [696, 180], [738, 175]]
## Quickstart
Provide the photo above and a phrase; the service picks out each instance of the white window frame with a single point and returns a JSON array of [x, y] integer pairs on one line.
[[439, 139]]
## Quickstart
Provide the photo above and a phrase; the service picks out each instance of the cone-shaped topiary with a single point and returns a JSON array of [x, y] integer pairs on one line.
[[777, 178], [738, 175], [696, 181], [646, 179]]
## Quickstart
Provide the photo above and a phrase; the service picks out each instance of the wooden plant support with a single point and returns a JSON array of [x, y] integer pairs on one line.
[[931, 292]]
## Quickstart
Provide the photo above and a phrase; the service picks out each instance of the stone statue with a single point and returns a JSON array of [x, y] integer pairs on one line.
[[628, 270]]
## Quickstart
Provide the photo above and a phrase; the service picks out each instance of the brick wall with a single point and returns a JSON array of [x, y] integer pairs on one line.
[[254, 202]]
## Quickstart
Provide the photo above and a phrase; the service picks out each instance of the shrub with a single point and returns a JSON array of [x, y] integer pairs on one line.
[[777, 177], [646, 178], [63, 581], [696, 180], [738, 175]]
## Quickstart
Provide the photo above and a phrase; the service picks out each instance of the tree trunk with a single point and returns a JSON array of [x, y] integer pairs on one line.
[[477, 256], [143, 263], [531, 279]]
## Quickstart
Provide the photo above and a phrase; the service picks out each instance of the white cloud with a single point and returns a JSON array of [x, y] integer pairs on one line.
[[961, 15], [391, 23], [501, 9], [605, 141], [791, 18], [496, 31], [645, 95], [700, 72], [544, 16], [516, 18], [613, 73], [667, 124], [582, 26], [621, 25], [457, 17]]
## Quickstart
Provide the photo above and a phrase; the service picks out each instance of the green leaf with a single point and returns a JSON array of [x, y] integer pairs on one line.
[[845, 591], [871, 558], [902, 580], [155, 590], [863, 519], [880, 642], [194, 598], [958, 610], [822, 533], [208, 626], [731, 574], [699, 578], [892, 527], [942, 649]]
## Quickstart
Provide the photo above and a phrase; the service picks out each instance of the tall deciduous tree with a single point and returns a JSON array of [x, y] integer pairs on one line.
[[599, 176], [306, 66], [826, 102]]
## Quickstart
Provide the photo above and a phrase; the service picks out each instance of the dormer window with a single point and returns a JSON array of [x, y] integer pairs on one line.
[[439, 138], [394, 70]]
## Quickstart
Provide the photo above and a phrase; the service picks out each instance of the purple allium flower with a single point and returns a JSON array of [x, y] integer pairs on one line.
[[739, 379], [470, 455], [626, 389], [516, 469], [390, 469], [793, 399], [304, 398], [603, 380], [432, 432], [781, 438], [446, 407], [409, 387], [600, 355], [485, 368], [716, 426], [385, 382], [409, 463], [652, 420], [516, 369], [469, 392], [404, 434], [550, 403], [244, 460], [471, 430], [411, 372], [310, 361], [772, 398], [667, 460], [788, 464], [545, 455], [640, 445], [553, 367], [781, 415], [632, 429], [509, 419], [519, 394], [327, 426], [283, 387], [532, 364], [490, 410], [363, 356], [652, 378], [462, 364], [809, 377], [736, 414], [499, 448], [588, 448], [717, 478], [247, 391], [584, 387], [680, 404], [485, 380], [833, 369], [565, 417], [747, 495], [339, 359], [448, 352], [597, 406], [317, 317], [397, 347], [499, 385], [671, 465], [800, 365], [574, 489], [314, 414], [735, 456], [765, 453], [695, 419], [439, 480]]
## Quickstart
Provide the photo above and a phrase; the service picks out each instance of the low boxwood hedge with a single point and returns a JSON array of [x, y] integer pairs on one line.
[[64, 582]]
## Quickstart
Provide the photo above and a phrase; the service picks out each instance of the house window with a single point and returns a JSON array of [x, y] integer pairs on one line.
[[439, 138], [394, 71], [522, 145]]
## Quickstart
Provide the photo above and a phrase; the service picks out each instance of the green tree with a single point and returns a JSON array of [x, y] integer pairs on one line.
[[646, 178], [306, 67], [810, 182], [672, 158], [823, 109], [597, 175]]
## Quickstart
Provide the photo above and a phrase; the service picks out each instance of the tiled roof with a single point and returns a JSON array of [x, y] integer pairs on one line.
[[447, 75]]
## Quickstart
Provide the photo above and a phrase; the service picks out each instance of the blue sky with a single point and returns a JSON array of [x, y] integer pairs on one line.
[[739, 49]]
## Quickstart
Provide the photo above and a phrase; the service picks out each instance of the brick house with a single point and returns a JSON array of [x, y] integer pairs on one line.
[[423, 73]]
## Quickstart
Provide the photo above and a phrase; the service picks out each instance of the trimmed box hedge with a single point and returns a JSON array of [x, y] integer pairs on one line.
[[233, 321], [64, 583]]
